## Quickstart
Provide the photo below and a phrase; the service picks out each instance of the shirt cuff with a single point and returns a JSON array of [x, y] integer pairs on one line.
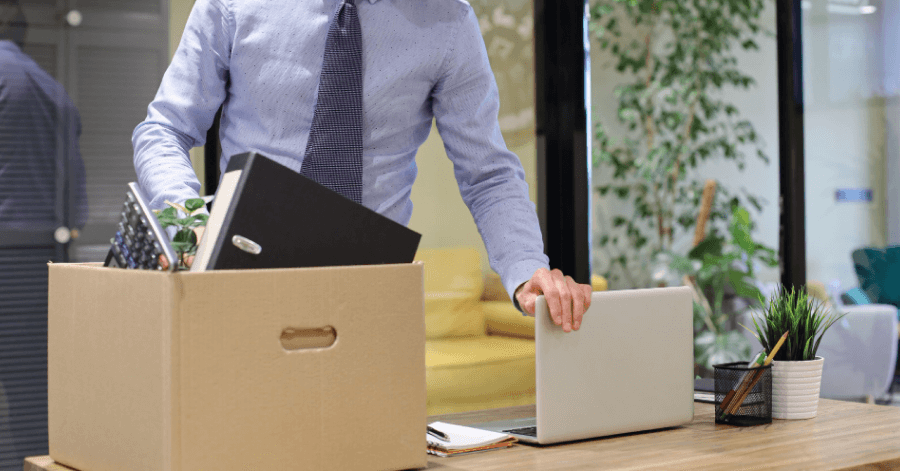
[[519, 273]]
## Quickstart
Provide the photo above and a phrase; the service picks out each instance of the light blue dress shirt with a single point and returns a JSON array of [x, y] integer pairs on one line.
[[422, 60]]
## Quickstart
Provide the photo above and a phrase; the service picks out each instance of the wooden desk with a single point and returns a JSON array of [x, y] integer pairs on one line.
[[844, 435]]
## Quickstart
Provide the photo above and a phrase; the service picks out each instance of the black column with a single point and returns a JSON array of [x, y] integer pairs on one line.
[[212, 152], [562, 70], [790, 135]]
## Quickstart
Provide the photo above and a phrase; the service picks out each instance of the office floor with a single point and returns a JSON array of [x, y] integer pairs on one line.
[[894, 398], [890, 399]]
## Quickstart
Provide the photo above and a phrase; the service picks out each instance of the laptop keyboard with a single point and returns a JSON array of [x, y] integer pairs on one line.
[[526, 431]]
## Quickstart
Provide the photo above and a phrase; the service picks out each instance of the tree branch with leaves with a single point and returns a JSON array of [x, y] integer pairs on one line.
[[676, 60]]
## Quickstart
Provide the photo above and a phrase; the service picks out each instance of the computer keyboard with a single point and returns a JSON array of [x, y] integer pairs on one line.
[[140, 238], [526, 431]]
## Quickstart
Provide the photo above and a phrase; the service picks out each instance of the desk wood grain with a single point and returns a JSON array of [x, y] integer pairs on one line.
[[845, 435]]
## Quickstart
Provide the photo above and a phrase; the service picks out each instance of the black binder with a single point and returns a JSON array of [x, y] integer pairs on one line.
[[276, 218]]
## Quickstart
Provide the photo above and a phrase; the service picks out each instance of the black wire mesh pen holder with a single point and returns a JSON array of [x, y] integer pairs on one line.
[[743, 395]]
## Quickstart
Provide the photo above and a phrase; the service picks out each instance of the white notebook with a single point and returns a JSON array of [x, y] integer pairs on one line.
[[464, 438]]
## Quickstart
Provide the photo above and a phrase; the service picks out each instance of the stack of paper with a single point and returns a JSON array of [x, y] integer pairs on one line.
[[461, 440]]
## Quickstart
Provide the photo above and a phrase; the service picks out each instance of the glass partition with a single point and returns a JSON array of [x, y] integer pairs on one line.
[[685, 176], [851, 85]]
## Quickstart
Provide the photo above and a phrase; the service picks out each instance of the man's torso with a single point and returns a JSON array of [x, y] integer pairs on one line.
[[276, 60]]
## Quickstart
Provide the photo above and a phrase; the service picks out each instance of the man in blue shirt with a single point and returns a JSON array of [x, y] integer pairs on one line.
[[422, 60], [39, 131], [39, 163]]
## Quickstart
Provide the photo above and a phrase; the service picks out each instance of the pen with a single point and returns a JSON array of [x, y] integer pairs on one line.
[[739, 398], [438, 434], [757, 361]]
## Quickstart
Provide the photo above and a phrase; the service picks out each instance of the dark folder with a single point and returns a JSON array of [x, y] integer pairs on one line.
[[292, 221]]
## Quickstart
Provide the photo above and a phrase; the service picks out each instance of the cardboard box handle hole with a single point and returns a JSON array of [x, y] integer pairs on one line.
[[293, 338]]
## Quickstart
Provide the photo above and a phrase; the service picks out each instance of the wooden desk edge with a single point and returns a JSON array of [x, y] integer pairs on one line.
[[43, 463], [890, 459]]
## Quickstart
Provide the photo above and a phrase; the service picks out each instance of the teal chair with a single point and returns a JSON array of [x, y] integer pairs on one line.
[[878, 270]]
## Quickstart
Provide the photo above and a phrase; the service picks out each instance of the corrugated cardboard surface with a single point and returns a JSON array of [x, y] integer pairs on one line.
[[186, 371]]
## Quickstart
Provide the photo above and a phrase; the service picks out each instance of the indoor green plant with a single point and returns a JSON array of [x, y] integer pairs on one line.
[[796, 370], [676, 65], [186, 219], [723, 269]]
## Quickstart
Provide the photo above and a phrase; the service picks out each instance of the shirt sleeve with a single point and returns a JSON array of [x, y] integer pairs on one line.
[[490, 177], [192, 89]]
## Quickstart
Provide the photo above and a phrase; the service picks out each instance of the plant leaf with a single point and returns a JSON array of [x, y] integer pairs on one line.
[[193, 204]]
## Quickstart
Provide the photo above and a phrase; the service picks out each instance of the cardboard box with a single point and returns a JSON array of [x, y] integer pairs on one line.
[[190, 371]]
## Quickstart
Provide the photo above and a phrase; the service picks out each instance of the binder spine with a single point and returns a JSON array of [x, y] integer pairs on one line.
[[245, 161]]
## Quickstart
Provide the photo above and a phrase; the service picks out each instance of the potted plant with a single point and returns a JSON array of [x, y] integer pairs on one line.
[[796, 370]]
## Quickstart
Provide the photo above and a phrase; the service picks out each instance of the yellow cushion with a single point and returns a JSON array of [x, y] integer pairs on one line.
[[502, 318], [493, 288], [453, 285], [598, 283], [452, 314], [478, 373], [452, 269]]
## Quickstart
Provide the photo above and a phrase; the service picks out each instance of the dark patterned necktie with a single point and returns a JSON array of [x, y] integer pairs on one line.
[[334, 151]]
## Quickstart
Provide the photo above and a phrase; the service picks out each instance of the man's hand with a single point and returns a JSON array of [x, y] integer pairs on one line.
[[188, 260], [566, 298]]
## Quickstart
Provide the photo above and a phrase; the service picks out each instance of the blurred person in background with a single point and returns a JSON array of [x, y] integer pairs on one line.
[[42, 188], [39, 131]]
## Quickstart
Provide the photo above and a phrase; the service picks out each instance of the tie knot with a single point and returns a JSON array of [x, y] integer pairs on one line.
[[351, 2]]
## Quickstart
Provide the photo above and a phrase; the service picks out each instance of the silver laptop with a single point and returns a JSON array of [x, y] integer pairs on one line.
[[629, 368]]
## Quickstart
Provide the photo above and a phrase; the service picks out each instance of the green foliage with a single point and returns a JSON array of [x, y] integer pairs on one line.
[[721, 265], [675, 58], [185, 240], [805, 319]]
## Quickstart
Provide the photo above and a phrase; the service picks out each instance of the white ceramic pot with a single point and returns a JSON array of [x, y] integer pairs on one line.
[[795, 388]]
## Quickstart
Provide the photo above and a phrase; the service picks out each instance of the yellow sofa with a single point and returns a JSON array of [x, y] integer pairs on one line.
[[479, 348]]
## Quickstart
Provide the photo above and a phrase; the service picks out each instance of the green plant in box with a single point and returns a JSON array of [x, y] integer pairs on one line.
[[805, 319], [185, 240]]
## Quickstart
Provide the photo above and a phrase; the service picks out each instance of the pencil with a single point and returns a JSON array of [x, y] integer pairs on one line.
[[745, 391], [757, 361]]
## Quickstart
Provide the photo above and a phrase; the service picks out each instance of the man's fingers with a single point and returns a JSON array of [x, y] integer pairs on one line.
[[588, 293], [564, 303], [526, 297], [548, 287], [567, 299], [577, 302], [528, 304]]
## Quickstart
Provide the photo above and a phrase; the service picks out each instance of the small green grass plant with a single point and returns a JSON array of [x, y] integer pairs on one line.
[[805, 319]]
